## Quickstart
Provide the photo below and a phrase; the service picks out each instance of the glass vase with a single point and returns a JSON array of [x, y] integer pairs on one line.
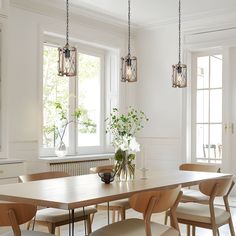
[[125, 168], [61, 149]]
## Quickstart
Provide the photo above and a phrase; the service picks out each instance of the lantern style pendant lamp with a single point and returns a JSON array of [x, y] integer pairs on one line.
[[67, 63], [179, 76], [129, 63]]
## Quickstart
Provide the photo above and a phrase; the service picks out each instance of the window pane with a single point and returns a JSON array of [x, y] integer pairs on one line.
[[202, 106], [216, 71], [216, 105], [216, 141], [55, 89], [202, 141], [89, 97], [202, 72]]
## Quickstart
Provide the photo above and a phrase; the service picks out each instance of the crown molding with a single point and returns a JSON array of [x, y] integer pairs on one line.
[[84, 16], [80, 15], [205, 19]]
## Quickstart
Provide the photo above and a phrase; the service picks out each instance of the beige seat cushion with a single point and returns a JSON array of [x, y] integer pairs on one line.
[[192, 195], [134, 227], [29, 233], [123, 203], [57, 215], [200, 213]]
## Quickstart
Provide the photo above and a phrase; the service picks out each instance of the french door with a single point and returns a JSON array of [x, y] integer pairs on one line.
[[208, 125]]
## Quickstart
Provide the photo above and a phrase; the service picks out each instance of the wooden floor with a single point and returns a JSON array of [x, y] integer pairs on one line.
[[101, 220]]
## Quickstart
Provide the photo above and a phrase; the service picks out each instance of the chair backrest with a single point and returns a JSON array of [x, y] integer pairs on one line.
[[97, 169], [199, 167], [42, 175], [164, 200], [15, 214], [220, 187]]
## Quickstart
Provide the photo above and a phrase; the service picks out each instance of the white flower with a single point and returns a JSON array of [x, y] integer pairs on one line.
[[134, 146], [127, 143]]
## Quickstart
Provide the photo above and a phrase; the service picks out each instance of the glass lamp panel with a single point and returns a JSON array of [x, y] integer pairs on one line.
[[202, 115], [202, 140], [203, 72], [215, 141], [179, 76], [216, 106], [67, 64], [129, 69], [89, 98], [216, 71]]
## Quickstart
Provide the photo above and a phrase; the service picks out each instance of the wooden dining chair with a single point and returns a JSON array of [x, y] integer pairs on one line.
[[52, 217], [208, 216], [192, 194], [119, 206], [15, 214], [147, 203]]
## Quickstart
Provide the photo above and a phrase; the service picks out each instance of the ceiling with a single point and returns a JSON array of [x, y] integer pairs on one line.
[[148, 12]]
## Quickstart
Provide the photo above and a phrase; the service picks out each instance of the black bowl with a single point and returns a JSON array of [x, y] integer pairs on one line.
[[107, 177]]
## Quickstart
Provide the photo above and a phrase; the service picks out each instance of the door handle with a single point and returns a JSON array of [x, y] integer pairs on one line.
[[225, 127]]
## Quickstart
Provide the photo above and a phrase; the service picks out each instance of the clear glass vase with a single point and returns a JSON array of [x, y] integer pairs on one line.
[[125, 168], [61, 149]]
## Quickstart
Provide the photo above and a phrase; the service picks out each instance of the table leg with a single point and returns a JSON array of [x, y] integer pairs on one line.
[[85, 228], [108, 213], [71, 222]]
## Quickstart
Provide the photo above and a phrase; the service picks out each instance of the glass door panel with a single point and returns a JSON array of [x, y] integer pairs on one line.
[[208, 111]]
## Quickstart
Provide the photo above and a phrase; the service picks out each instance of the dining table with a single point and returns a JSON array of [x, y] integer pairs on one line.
[[73, 192]]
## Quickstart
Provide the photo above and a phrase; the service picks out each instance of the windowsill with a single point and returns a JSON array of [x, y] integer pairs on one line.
[[77, 157]]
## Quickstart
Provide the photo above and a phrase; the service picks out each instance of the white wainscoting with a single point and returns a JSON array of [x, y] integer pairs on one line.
[[26, 150], [159, 153]]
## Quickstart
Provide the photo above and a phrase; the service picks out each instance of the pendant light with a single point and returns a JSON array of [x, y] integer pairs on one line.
[[67, 63], [179, 76], [129, 63]]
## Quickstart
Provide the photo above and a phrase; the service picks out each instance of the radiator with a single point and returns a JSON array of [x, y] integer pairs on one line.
[[78, 167]]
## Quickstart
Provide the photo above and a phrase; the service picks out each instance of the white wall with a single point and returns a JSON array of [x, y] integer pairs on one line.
[[157, 52], [25, 39]]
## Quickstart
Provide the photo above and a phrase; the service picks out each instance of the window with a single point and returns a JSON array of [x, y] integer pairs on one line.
[[208, 110], [86, 92]]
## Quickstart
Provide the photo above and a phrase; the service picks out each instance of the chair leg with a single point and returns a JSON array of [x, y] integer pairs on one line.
[[166, 218], [51, 228], [92, 217], [28, 225], [58, 231], [113, 216], [188, 230], [214, 231], [231, 227], [89, 225], [122, 213], [193, 230], [218, 232]]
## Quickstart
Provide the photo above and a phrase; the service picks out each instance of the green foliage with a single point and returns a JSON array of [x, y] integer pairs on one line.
[[80, 117], [125, 124]]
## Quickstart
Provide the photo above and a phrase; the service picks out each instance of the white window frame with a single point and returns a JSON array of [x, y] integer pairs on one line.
[[3, 89], [195, 55], [107, 100]]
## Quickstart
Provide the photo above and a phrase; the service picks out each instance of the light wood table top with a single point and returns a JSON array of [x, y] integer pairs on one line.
[[85, 190]]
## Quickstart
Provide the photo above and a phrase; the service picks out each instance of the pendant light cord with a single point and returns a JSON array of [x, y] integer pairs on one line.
[[67, 22], [129, 27], [179, 31]]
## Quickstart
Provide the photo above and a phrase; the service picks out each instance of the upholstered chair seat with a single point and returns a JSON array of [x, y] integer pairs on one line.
[[135, 227], [201, 213]]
